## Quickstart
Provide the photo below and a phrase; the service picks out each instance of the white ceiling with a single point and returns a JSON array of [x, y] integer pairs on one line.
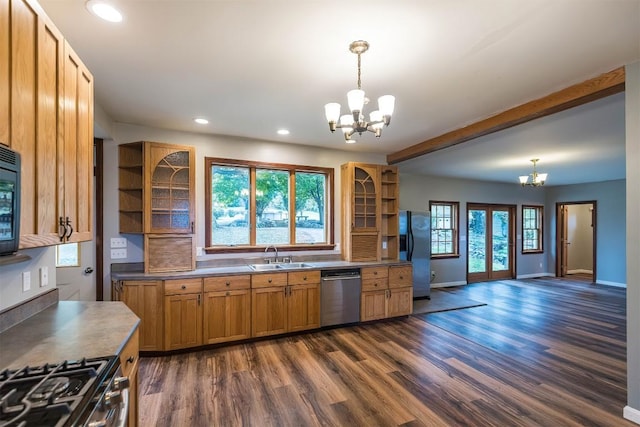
[[254, 66]]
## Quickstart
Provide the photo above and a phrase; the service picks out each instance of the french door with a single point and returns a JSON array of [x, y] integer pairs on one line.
[[490, 242]]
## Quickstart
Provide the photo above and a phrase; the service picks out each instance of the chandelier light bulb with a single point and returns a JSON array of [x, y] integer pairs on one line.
[[356, 100], [386, 104], [332, 111]]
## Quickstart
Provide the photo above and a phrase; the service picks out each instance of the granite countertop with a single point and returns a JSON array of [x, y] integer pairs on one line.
[[244, 269], [68, 330]]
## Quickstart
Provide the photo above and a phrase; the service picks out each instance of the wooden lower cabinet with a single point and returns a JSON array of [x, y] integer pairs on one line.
[[129, 364], [386, 292], [227, 309], [373, 305], [285, 302], [303, 307], [182, 313], [145, 299]]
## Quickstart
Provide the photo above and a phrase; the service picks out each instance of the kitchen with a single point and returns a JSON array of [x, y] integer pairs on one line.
[[236, 148]]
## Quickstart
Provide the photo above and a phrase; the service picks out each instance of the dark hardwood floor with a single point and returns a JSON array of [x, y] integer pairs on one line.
[[542, 352]]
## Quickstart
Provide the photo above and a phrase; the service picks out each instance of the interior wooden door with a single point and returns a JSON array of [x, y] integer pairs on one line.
[[490, 242]]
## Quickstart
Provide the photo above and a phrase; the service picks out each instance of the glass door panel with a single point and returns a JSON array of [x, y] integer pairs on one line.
[[490, 236], [477, 241], [500, 241]]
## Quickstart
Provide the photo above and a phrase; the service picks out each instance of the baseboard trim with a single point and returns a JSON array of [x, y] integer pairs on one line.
[[534, 275], [448, 284], [616, 284], [631, 414]]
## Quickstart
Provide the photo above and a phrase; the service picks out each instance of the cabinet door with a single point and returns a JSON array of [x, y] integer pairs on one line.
[[129, 362], [303, 307], [77, 154], [373, 305], [226, 316], [400, 302], [170, 182], [34, 126], [400, 276], [268, 311], [366, 209], [182, 321], [144, 298]]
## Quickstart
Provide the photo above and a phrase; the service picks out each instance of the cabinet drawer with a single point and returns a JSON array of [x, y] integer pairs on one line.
[[400, 276], [129, 354], [374, 278], [268, 279], [182, 286], [224, 283], [304, 277]]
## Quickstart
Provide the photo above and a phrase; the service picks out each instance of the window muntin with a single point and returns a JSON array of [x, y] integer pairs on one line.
[[252, 204], [444, 228], [532, 229]]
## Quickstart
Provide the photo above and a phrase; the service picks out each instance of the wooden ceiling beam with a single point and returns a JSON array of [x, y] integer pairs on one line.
[[598, 87]]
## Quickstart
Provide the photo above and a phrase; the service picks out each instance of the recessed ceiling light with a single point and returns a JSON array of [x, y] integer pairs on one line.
[[201, 121], [104, 10], [283, 132]]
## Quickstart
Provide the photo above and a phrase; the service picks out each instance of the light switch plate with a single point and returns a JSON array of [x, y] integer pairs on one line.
[[118, 253], [44, 276], [118, 242], [26, 281]]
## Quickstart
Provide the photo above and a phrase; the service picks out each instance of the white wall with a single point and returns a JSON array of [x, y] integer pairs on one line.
[[11, 276], [213, 146], [632, 112]]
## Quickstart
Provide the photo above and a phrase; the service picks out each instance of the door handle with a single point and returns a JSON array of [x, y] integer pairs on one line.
[[88, 270]]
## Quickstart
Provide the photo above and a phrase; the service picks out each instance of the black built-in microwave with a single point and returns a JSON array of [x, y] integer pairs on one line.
[[9, 200]]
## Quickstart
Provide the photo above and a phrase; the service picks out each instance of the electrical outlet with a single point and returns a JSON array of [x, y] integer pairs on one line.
[[26, 281], [118, 242], [118, 253], [44, 276]]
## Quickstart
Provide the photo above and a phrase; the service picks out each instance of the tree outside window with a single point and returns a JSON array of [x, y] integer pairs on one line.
[[532, 229], [444, 228]]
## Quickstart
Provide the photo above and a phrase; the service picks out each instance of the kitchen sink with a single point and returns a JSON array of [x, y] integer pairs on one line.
[[279, 266], [264, 267], [295, 265]]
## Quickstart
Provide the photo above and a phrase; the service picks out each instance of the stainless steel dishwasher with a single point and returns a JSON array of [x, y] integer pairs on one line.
[[340, 296]]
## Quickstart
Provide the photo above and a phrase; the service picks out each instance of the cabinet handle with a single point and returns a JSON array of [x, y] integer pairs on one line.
[[401, 277], [375, 273], [130, 359], [62, 229], [304, 278], [192, 227], [199, 298], [228, 283], [70, 228], [269, 280], [183, 287]]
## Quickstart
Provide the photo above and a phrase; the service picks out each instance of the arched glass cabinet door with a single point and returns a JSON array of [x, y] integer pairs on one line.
[[364, 199], [171, 198]]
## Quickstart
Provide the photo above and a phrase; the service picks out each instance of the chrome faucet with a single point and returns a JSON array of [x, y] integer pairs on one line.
[[275, 258]]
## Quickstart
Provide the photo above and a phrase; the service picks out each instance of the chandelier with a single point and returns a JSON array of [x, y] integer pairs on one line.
[[537, 179], [356, 122]]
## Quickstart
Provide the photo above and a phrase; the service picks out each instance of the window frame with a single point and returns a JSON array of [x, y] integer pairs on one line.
[[77, 255], [455, 209], [540, 220], [292, 169]]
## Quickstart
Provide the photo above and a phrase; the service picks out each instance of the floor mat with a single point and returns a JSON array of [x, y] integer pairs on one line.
[[443, 301]]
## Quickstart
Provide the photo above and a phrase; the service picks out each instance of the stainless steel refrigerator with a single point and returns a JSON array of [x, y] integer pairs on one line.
[[415, 246]]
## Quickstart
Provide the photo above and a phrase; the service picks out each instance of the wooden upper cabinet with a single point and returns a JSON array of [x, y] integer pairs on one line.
[[369, 212], [171, 183], [77, 154], [46, 116], [157, 188]]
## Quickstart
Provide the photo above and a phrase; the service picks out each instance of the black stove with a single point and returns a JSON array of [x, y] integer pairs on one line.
[[55, 395]]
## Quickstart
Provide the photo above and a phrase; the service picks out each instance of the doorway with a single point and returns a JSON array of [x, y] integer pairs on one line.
[[490, 242], [576, 240]]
